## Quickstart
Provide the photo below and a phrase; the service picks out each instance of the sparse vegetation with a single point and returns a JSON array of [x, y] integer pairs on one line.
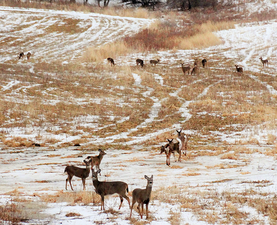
[[79, 99]]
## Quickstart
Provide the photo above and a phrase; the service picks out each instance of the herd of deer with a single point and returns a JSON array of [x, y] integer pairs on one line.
[[103, 188], [188, 69]]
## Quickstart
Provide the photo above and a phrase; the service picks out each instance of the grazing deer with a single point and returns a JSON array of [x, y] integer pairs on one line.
[[28, 55], [185, 68], [183, 140], [111, 60], [239, 69], [264, 61], [96, 160], [204, 62], [109, 188], [139, 62], [142, 196], [78, 172], [194, 70], [21, 55], [154, 62]]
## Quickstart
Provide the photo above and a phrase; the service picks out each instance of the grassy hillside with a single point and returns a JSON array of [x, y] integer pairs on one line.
[[67, 93]]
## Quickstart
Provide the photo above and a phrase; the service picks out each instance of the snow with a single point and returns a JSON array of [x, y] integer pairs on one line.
[[24, 169]]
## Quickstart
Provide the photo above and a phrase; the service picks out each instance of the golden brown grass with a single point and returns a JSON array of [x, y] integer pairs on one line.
[[84, 197]]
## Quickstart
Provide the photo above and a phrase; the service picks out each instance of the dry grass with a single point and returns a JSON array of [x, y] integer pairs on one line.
[[19, 209], [217, 208], [73, 198]]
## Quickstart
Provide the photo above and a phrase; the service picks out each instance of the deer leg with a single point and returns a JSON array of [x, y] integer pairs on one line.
[[141, 210], [180, 154], [133, 202], [168, 160], [146, 211], [121, 200], [66, 183], [127, 198], [102, 202], [84, 183], [69, 179], [138, 208]]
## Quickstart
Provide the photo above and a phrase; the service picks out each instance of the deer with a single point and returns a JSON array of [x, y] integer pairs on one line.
[[111, 60], [239, 69], [183, 140], [21, 55], [139, 62], [28, 55], [104, 188], [164, 149], [78, 172], [96, 160], [264, 61], [204, 62], [142, 196], [185, 68], [174, 147], [194, 70], [154, 62]]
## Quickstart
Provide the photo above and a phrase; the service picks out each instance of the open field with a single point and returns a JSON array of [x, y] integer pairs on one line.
[[61, 97]]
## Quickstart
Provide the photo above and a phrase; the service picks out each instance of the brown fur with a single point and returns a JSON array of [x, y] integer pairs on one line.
[[109, 188], [78, 172], [142, 196], [96, 160], [139, 62], [239, 69]]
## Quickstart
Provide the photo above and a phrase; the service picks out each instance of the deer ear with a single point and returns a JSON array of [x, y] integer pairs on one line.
[[146, 177]]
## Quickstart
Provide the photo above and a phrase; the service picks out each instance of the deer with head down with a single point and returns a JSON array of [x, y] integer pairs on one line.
[[154, 62], [139, 62]]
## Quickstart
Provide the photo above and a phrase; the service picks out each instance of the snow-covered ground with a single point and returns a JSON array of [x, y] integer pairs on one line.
[[37, 171]]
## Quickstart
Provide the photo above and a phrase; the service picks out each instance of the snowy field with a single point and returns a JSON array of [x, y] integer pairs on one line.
[[36, 171]]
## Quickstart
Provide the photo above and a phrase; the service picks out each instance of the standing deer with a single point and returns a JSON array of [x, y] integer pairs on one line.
[[96, 160], [264, 61], [109, 188], [204, 62], [154, 62], [174, 147], [185, 68], [183, 140], [142, 196], [78, 172], [239, 69], [111, 60], [21, 55], [164, 149], [29, 55], [194, 70], [139, 62]]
